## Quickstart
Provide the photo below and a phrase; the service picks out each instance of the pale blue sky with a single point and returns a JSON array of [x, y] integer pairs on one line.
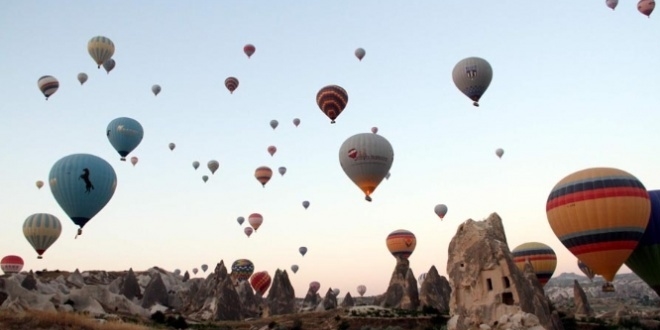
[[573, 87]]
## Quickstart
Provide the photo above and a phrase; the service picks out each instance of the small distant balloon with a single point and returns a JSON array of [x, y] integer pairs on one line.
[[282, 170], [263, 175], [124, 134], [109, 65], [249, 50], [472, 76], [336, 292], [361, 289], [272, 150], [231, 83], [646, 7], [296, 122], [48, 85], [213, 166], [82, 78], [255, 220], [195, 165], [294, 268], [612, 3], [440, 210], [205, 267], [305, 204], [155, 89], [302, 250], [274, 123], [499, 152], [359, 53], [205, 178], [242, 269], [248, 231], [11, 264], [332, 100], [374, 130], [39, 184], [171, 145], [240, 220], [195, 271], [134, 160]]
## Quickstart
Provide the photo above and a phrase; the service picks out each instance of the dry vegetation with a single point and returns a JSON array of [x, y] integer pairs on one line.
[[38, 320]]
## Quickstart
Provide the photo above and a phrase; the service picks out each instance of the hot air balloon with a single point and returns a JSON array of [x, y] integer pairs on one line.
[[366, 159], [41, 230], [205, 267], [109, 65], [401, 243], [100, 49], [272, 150], [359, 53], [205, 178], [646, 7], [600, 215], [282, 170], [155, 89], [11, 264], [612, 3], [302, 250], [336, 292], [332, 100], [39, 184], [294, 268], [255, 220], [195, 165], [249, 49], [82, 185], [586, 270], [472, 76], [374, 130], [48, 85], [248, 231], [305, 204], [361, 289], [124, 134], [274, 123], [296, 122], [213, 166], [263, 175], [242, 269], [542, 258], [314, 286], [645, 259], [134, 160], [240, 220], [195, 271], [260, 282], [440, 210], [231, 83], [499, 152], [82, 78], [171, 146]]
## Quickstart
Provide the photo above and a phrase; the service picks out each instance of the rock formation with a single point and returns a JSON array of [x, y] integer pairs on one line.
[[155, 292], [311, 300], [487, 287], [29, 282], [348, 301], [402, 292], [129, 287], [435, 291], [248, 299], [186, 276], [582, 307], [329, 302], [281, 296], [216, 298], [76, 279]]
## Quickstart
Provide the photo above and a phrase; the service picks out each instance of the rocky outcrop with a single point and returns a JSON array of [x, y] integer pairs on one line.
[[435, 291], [76, 279], [29, 282], [402, 292], [281, 296], [129, 287], [215, 299], [311, 300], [348, 301], [329, 302], [186, 276], [248, 299], [582, 307], [487, 287], [155, 292]]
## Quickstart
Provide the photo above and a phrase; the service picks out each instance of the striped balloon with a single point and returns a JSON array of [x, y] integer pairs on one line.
[[645, 259], [124, 134], [542, 258], [248, 231], [242, 269], [260, 282], [82, 184], [263, 175], [231, 83], [48, 85], [100, 49], [472, 76], [401, 243], [599, 214], [11, 264], [42, 230], [586, 270], [255, 220], [332, 100]]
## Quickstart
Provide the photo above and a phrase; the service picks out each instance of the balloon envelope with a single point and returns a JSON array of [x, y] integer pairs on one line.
[[645, 259], [231, 83], [195, 271], [401, 243], [296, 122], [282, 170], [646, 7], [332, 100], [48, 85], [205, 178], [599, 214], [255, 220], [248, 231], [260, 282], [195, 164], [612, 3], [242, 269], [359, 53], [171, 145], [542, 258], [134, 160], [305, 204], [240, 220], [274, 123], [39, 184], [499, 152], [100, 49], [205, 267], [302, 250], [366, 159], [440, 210], [82, 77], [213, 166], [263, 175], [272, 150], [472, 76], [155, 89], [294, 268], [11, 264], [249, 50], [42, 230], [109, 65], [586, 270], [124, 134], [361, 289], [82, 185]]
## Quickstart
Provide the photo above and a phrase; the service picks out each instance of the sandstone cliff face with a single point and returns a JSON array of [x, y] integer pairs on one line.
[[402, 291], [435, 291], [487, 287], [281, 296], [582, 307]]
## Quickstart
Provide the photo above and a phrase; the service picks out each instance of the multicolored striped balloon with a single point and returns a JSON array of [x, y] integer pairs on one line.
[[11, 264], [645, 259], [401, 243], [231, 83], [542, 258], [260, 282], [42, 230], [600, 215], [332, 100], [48, 85], [263, 175], [242, 269]]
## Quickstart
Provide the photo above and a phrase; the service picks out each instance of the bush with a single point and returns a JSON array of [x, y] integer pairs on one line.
[[343, 325], [177, 323], [272, 325], [158, 317], [297, 324]]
